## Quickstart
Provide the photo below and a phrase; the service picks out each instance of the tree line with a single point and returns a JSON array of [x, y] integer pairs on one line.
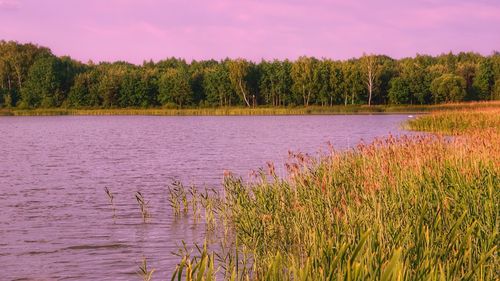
[[31, 76]]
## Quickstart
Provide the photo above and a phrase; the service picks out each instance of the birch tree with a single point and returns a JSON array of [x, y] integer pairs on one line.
[[238, 72], [371, 70]]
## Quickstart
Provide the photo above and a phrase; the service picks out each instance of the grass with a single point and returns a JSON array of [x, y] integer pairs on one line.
[[457, 122], [144, 273], [409, 208], [111, 198], [219, 111], [143, 206]]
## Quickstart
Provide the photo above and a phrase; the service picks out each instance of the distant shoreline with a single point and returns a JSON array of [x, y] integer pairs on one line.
[[242, 111]]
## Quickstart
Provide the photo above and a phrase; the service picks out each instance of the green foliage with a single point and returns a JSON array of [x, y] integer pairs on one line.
[[85, 90], [109, 87], [218, 87], [174, 87], [42, 87], [399, 91], [496, 90], [138, 88], [321, 81], [337, 83], [239, 72], [302, 73], [484, 80], [30, 76], [354, 85], [448, 88], [275, 82], [414, 72]]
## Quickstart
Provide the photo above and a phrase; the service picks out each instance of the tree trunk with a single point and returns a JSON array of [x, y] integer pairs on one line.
[[370, 85], [243, 93], [304, 94], [19, 78]]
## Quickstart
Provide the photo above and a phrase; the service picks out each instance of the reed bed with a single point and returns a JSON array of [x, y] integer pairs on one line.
[[457, 122], [220, 111], [423, 207]]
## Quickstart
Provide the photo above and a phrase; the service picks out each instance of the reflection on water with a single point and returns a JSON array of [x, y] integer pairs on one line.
[[56, 222]]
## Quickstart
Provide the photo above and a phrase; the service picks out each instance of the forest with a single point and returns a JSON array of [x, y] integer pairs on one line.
[[31, 76]]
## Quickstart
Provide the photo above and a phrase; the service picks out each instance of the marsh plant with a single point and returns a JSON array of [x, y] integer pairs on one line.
[[195, 198], [211, 203], [178, 198], [181, 200], [143, 272], [195, 268], [143, 206], [111, 198], [422, 207], [457, 122]]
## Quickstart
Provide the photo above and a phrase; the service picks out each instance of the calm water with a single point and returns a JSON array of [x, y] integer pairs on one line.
[[55, 220]]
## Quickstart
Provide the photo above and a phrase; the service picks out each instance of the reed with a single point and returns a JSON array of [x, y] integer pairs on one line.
[[219, 111], [197, 268], [143, 206], [195, 198], [111, 198], [457, 122], [144, 273], [175, 192], [419, 207]]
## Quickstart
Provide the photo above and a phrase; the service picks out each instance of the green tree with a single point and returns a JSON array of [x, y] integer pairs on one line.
[[495, 95], [275, 81], [174, 87], [303, 78], [371, 71], [484, 80], [239, 71], [321, 77], [15, 62], [388, 70], [354, 85], [399, 91], [109, 87], [337, 83], [85, 90], [43, 84], [448, 88], [197, 71], [217, 86]]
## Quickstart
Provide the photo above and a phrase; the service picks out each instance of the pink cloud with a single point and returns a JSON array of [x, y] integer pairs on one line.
[[9, 5], [135, 30]]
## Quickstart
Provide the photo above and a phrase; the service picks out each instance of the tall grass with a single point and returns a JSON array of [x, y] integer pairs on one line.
[[217, 111], [457, 122], [144, 272], [111, 198], [407, 208], [143, 206]]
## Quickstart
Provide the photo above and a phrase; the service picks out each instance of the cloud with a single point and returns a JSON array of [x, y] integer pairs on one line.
[[141, 29], [9, 5]]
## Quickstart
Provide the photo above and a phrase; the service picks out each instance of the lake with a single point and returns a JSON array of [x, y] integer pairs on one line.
[[56, 222]]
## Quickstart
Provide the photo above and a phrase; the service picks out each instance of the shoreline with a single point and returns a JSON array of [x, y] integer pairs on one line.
[[257, 111]]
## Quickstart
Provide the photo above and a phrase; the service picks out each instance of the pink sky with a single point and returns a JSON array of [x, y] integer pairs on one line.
[[136, 30]]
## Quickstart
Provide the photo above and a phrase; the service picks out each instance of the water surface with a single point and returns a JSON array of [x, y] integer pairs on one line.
[[55, 220]]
